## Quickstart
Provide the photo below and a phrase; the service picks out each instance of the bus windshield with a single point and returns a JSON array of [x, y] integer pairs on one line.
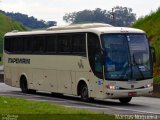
[[127, 57]]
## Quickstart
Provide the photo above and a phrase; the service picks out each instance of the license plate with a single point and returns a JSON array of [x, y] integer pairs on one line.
[[132, 94]]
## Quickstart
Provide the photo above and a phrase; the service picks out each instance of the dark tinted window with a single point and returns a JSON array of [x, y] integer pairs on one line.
[[78, 43], [64, 43], [20, 45], [7, 44], [50, 41], [14, 44], [70, 43], [27, 44], [94, 54], [38, 44]]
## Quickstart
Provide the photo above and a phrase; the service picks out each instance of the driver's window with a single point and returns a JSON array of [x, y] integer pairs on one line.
[[116, 53]]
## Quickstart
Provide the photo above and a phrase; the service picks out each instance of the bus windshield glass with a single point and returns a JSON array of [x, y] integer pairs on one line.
[[127, 56]]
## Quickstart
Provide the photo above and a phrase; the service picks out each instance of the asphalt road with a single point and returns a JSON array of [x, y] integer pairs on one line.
[[138, 105]]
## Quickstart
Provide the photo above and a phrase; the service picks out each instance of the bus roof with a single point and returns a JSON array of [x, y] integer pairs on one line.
[[97, 28]]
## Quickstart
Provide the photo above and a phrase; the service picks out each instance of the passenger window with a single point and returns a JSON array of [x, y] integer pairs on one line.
[[64, 43], [78, 43], [27, 44], [50, 44], [38, 44], [8, 44]]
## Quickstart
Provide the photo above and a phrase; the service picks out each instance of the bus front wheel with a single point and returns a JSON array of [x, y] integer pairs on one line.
[[84, 93], [125, 100]]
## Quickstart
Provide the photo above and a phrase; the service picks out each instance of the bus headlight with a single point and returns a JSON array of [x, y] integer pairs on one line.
[[112, 87], [149, 85]]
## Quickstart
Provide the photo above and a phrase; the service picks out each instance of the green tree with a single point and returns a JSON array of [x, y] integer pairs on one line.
[[122, 16], [118, 16]]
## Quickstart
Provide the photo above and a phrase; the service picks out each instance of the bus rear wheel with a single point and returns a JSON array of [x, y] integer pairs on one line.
[[23, 85], [125, 100]]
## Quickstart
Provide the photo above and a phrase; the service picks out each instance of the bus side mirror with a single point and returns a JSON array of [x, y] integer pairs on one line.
[[153, 54], [0, 59]]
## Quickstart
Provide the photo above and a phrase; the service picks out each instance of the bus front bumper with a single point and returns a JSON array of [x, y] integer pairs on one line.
[[128, 93]]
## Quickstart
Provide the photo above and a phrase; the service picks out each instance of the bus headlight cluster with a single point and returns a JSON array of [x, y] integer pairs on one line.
[[149, 85], [112, 87]]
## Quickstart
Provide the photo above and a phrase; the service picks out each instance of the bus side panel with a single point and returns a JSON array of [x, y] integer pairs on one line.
[[38, 79], [50, 81], [64, 81], [96, 85], [7, 76], [74, 83], [15, 73], [15, 76]]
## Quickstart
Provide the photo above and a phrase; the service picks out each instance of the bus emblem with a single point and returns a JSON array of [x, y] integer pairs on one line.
[[80, 64]]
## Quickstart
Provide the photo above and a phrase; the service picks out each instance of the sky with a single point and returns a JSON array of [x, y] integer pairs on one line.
[[54, 10]]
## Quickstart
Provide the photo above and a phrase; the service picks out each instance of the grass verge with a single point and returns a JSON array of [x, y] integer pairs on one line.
[[21, 109]]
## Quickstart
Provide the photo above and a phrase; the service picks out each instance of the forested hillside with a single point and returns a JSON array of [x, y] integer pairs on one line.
[[7, 24], [29, 21]]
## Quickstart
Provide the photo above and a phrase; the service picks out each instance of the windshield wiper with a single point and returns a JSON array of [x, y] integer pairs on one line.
[[136, 64]]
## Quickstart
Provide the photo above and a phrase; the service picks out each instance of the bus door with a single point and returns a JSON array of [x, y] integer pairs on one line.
[[94, 55]]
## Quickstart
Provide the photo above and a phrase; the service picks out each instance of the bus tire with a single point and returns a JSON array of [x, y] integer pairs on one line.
[[125, 100], [84, 93], [23, 85]]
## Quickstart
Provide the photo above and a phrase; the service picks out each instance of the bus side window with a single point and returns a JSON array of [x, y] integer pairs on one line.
[[64, 44], [38, 44], [14, 44], [94, 54], [50, 44], [7, 44], [27, 44], [79, 44]]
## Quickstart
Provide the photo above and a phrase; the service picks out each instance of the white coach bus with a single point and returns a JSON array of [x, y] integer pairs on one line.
[[88, 60]]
